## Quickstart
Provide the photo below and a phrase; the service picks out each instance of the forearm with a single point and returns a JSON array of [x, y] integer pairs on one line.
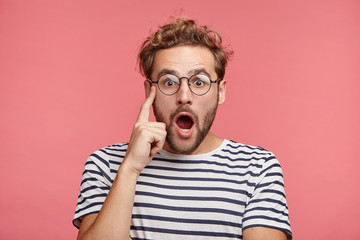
[[114, 218]]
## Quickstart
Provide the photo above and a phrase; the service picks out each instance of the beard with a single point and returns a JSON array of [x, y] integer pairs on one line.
[[202, 129]]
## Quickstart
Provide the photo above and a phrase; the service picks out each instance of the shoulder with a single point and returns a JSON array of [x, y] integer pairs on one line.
[[256, 157], [239, 150], [230, 144], [106, 156]]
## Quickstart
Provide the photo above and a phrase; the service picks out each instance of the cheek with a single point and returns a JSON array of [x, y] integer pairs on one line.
[[163, 107], [161, 103], [206, 105], [209, 100]]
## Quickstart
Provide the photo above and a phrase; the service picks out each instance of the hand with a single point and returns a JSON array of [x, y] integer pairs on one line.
[[147, 138]]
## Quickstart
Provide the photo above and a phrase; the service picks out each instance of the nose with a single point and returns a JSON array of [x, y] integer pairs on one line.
[[184, 94]]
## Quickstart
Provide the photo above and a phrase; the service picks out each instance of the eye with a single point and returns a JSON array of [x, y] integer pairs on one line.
[[168, 81], [199, 81]]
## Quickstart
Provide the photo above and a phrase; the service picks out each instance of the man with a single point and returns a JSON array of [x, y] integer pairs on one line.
[[175, 179]]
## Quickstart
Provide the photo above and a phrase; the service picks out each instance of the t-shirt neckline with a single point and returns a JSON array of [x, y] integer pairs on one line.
[[193, 156]]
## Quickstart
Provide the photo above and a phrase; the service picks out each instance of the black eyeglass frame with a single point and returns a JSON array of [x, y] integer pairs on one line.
[[188, 78]]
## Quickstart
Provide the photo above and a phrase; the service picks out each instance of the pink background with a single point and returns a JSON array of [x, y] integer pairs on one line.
[[68, 86]]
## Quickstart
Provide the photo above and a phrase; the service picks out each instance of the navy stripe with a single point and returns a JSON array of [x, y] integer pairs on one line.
[[267, 209], [89, 206], [250, 184], [111, 154], [84, 214], [272, 166], [183, 220], [94, 187], [184, 232], [270, 183], [273, 191], [101, 159], [243, 159], [116, 149], [88, 180], [245, 152], [238, 145], [267, 200], [188, 209], [114, 170], [192, 188], [190, 198], [261, 217], [119, 145], [91, 162], [206, 162], [114, 162], [92, 171], [271, 174], [202, 170], [101, 173], [268, 226], [91, 197]]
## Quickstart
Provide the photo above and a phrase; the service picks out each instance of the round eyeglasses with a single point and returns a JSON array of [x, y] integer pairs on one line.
[[199, 84]]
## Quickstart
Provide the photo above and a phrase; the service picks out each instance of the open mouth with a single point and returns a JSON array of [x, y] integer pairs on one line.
[[185, 123]]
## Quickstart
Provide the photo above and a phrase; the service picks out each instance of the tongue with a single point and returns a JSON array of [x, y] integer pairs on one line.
[[184, 122]]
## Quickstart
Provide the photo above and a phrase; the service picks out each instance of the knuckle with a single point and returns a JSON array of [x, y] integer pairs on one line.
[[139, 127], [162, 125]]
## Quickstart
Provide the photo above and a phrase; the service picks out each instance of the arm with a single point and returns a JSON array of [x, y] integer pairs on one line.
[[263, 233], [114, 219], [266, 214]]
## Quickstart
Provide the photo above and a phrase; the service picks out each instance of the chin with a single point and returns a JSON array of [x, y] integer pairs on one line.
[[181, 149], [183, 145]]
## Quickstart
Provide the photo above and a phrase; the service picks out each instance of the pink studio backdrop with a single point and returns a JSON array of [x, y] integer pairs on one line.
[[68, 86]]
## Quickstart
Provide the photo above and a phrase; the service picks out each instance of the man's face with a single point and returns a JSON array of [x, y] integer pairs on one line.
[[188, 117]]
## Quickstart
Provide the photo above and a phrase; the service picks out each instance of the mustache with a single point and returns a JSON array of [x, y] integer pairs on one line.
[[184, 109]]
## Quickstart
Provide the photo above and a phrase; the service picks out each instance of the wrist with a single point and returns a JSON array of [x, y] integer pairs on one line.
[[127, 169]]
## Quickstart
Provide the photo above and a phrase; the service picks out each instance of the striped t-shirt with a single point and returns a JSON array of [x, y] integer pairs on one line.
[[207, 196]]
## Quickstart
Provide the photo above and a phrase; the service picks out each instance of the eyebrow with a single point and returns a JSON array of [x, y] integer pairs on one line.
[[167, 71], [190, 73], [199, 70]]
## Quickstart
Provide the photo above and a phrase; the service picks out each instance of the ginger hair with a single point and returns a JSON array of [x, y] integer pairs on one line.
[[183, 32]]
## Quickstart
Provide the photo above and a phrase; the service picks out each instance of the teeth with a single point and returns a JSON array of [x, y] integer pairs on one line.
[[185, 130]]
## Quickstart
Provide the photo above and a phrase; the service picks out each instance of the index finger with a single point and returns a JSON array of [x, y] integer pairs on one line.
[[145, 108]]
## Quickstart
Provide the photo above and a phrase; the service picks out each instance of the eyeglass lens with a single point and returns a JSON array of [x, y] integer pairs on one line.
[[199, 84]]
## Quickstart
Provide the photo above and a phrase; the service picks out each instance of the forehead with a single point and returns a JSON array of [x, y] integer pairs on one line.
[[184, 60]]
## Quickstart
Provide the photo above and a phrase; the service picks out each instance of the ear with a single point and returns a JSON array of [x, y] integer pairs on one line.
[[147, 86], [222, 91]]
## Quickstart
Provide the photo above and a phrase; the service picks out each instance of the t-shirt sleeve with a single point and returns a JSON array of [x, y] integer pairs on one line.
[[95, 186], [267, 206]]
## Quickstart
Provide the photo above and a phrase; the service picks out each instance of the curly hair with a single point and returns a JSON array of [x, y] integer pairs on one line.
[[183, 32]]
